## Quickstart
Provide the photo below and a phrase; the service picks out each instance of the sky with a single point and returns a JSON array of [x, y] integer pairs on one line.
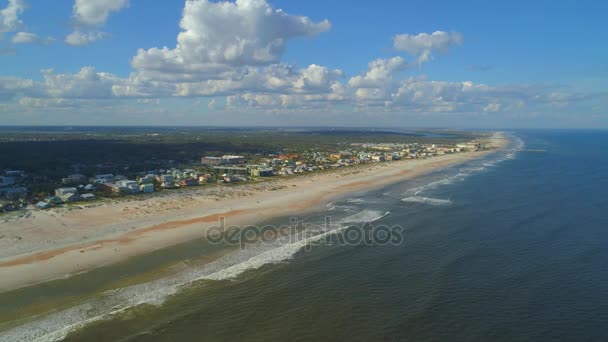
[[453, 64]]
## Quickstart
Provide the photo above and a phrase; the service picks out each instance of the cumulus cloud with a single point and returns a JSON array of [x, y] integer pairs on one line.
[[79, 38], [216, 37], [96, 12], [30, 38], [89, 15], [9, 16], [378, 73], [14, 87], [86, 84], [423, 45]]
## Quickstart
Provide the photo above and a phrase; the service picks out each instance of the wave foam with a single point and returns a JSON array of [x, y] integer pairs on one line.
[[433, 185], [364, 216], [273, 256], [427, 200]]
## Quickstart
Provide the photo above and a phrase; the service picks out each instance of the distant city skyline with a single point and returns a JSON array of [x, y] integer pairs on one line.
[[471, 64]]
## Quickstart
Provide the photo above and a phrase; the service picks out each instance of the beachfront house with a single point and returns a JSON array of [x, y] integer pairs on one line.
[[189, 173], [103, 179], [147, 179], [188, 182], [43, 205], [90, 187], [67, 194], [260, 171], [127, 186], [88, 197], [231, 170], [166, 181], [53, 200], [147, 187]]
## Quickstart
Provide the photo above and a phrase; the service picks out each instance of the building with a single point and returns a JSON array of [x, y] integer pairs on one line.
[[147, 179], [188, 182], [232, 160], [102, 179], [127, 186], [67, 194], [147, 187], [189, 173], [166, 181], [340, 156], [212, 161], [53, 200], [204, 178], [88, 197], [233, 170], [292, 156], [90, 187], [260, 171], [224, 160], [43, 205]]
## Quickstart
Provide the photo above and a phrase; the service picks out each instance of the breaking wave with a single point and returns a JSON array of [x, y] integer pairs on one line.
[[427, 200], [364, 216], [433, 185]]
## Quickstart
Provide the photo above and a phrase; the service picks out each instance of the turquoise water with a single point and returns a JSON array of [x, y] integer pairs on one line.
[[512, 247]]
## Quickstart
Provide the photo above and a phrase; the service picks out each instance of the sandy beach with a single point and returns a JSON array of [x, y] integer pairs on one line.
[[45, 245]]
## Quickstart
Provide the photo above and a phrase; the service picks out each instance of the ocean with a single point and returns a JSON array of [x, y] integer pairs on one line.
[[509, 247]]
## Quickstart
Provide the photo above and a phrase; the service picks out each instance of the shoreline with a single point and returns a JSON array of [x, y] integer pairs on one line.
[[65, 242]]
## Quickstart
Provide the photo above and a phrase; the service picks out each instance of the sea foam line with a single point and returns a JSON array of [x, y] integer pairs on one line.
[[427, 200]]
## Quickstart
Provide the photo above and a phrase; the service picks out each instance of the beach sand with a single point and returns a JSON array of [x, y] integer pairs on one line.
[[52, 244]]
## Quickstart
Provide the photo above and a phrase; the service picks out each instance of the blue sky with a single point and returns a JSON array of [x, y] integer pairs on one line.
[[457, 64]]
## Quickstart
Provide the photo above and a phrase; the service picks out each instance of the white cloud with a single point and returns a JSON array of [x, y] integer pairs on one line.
[[25, 38], [9, 16], [378, 73], [424, 44], [89, 14], [30, 38], [79, 38], [13, 87], [216, 37], [86, 84], [96, 12]]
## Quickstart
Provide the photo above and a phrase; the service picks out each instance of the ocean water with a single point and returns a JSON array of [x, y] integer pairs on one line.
[[510, 247]]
